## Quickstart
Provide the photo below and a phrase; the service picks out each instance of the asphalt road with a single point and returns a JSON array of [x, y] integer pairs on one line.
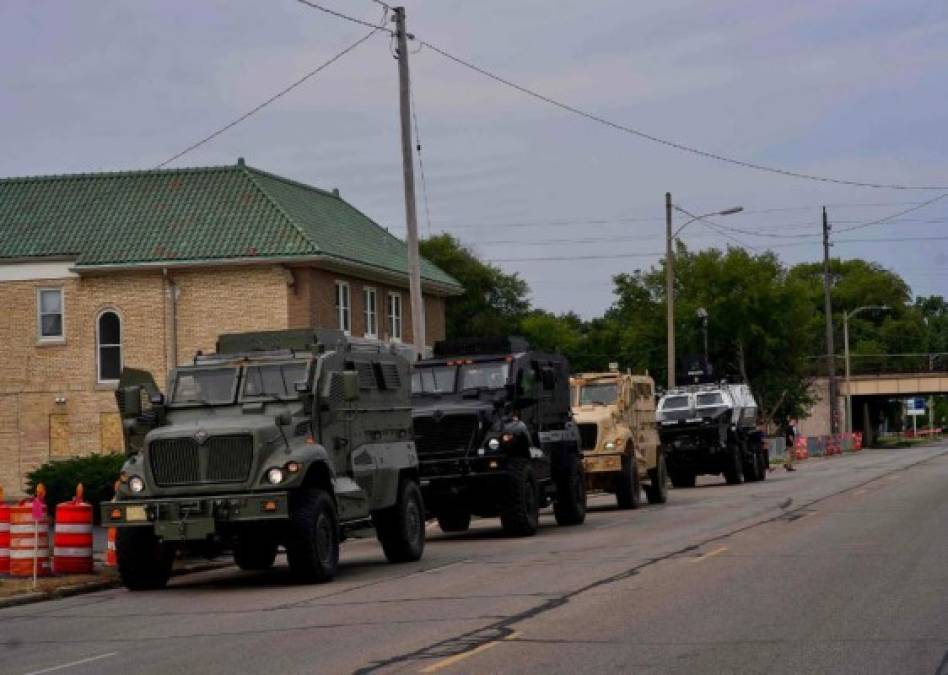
[[839, 567]]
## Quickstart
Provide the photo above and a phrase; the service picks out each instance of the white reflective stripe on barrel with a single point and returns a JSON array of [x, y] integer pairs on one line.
[[27, 554], [74, 528], [72, 552], [27, 529], [4, 553], [4, 527]]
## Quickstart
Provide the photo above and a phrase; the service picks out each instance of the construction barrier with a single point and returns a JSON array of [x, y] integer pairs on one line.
[[111, 558], [72, 537], [29, 540], [4, 536]]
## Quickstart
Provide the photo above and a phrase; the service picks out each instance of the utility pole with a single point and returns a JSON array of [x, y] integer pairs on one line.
[[670, 289], [828, 310], [408, 169]]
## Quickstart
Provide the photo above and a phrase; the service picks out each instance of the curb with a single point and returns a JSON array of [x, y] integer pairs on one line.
[[95, 586]]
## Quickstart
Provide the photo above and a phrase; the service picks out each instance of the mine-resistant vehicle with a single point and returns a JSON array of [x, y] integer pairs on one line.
[[615, 414], [711, 429], [296, 438], [495, 436]]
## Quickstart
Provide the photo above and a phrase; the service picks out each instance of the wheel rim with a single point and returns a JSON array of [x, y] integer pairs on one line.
[[324, 540], [413, 522]]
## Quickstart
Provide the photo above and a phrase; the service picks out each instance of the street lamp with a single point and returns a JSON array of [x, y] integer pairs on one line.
[[703, 318], [849, 397], [670, 271]]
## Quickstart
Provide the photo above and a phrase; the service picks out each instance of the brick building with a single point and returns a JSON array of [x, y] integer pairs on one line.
[[145, 268]]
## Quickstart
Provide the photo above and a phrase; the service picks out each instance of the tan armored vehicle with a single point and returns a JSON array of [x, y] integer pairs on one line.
[[615, 413]]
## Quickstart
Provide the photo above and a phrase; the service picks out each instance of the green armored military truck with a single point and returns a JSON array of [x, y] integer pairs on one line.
[[295, 438]]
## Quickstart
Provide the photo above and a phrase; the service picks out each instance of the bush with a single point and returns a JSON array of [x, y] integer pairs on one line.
[[97, 473]]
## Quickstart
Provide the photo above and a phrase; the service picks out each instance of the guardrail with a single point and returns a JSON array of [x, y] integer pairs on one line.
[[882, 364]]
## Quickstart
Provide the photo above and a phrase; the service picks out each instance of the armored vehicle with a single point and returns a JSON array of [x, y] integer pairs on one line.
[[615, 414], [711, 429], [495, 436], [295, 438]]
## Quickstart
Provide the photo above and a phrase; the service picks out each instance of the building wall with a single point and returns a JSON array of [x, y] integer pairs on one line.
[[35, 428]]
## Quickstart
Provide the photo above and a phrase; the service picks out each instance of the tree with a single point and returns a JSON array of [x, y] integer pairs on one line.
[[493, 302]]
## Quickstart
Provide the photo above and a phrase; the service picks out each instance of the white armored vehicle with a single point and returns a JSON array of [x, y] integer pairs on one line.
[[711, 429]]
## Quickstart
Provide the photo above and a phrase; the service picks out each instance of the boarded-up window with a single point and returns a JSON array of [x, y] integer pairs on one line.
[[59, 435], [110, 432]]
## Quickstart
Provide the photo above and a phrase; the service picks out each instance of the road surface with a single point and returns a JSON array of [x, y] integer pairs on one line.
[[839, 567]]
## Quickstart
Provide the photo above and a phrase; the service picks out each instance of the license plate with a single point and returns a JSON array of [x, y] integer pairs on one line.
[[134, 514]]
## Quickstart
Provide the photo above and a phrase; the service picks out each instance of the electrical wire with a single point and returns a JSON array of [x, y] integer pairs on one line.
[[577, 257], [421, 161], [352, 19], [261, 106], [894, 215]]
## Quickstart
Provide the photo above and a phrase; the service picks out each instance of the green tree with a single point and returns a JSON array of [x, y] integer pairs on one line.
[[493, 302]]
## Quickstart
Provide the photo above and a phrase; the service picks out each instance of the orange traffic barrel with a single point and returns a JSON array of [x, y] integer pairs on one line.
[[72, 536], [4, 536], [110, 556], [29, 540]]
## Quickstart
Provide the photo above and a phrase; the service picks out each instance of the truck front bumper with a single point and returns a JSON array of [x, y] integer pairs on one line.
[[602, 462], [195, 518]]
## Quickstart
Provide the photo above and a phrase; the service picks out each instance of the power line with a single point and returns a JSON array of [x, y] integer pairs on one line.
[[421, 161], [894, 215], [352, 19], [669, 143], [270, 100], [577, 257]]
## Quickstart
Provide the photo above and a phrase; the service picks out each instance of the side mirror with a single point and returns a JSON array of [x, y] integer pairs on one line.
[[350, 385], [548, 375], [131, 402]]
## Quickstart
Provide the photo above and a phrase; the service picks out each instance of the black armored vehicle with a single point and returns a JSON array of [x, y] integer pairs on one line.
[[295, 438], [495, 435]]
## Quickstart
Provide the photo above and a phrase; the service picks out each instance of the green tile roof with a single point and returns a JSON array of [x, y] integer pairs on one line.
[[185, 215]]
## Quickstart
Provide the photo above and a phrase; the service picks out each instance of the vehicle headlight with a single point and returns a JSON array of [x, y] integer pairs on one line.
[[493, 444], [136, 484], [275, 476], [610, 445]]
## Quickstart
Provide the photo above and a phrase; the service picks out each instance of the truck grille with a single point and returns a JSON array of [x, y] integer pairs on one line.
[[445, 438], [588, 434], [182, 461]]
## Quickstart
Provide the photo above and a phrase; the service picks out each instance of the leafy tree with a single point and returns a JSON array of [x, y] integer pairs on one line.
[[493, 302]]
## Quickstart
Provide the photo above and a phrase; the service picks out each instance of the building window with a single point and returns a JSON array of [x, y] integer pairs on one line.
[[371, 313], [50, 314], [108, 341], [395, 316], [343, 307]]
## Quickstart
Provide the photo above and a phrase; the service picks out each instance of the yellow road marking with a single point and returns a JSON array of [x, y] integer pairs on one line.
[[717, 551], [861, 492], [451, 660]]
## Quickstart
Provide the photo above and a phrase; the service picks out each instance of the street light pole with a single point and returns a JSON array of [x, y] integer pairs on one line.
[[670, 273], [849, 396]]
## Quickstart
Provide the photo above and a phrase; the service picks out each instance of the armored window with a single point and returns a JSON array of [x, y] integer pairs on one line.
[[395, 316], [371, 312], [343, 307], [711, 399], [366, 375], [108, 338], [49, 314], [676, 402], [604, 393], [390, 378]]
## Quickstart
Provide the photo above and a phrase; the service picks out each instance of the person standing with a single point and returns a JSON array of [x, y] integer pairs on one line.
[[790, 437]]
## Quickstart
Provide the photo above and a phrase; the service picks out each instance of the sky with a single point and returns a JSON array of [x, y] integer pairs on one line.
[[855, 89]]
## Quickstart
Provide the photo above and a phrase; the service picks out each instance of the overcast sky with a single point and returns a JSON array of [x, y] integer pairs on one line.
[[855, 90]]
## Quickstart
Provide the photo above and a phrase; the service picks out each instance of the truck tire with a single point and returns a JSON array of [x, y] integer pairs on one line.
[[401, 528], [734, 469], [657, 489], [312, 544], [454, 520], [255, 552], [628, 485], [682, 478], [764, 463], [752, 468], [570, 505], [520, 506], [144, 562]]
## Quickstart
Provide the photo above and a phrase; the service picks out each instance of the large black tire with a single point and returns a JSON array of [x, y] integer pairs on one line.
[[682, 478], [734, 468], [765, 463], [657, 489], [570, 505], [401, 528], [255, 551], [144, 563], [454, 520], [520, 506], [312, 543], [628, 485], [752, 467]]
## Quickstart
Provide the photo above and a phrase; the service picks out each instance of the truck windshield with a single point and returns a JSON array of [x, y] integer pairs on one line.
[[710, 399], [207, 386], [598, 394], [484, 375], [675, 403], [273, 380], [434, 380]]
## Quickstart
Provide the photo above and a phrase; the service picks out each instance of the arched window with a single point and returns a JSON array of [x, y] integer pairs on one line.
[[108, 344]]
